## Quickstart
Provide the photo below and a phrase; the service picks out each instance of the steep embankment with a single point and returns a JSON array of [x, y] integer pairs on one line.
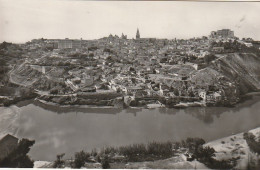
[[213, 80], [236, 147], [231, 74], [244, 69], [24, 75]]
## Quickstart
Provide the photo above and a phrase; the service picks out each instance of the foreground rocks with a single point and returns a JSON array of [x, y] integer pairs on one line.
[[13, 152]]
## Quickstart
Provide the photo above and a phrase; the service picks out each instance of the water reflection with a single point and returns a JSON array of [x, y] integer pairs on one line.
[[205, 114], [71, 132], [68, 109], [134, 111]]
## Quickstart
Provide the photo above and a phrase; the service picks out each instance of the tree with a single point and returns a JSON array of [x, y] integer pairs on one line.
[[194, 143], [105, 162], [98, 158], [80, 159], [205, 153], [58, 163]]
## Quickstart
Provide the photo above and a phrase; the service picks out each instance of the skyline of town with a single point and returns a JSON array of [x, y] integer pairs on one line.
[[125, 36], [21, 21]]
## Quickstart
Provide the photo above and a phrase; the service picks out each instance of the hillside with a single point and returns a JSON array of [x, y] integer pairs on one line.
[[241, 68], [233, 74]]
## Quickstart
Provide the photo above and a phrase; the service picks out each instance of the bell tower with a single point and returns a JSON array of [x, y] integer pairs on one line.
[[137, 34]]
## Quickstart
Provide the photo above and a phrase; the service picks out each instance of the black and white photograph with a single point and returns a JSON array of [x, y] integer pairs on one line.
[[129, 84]]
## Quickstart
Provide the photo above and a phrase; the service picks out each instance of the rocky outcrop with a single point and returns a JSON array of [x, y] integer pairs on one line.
[[232, 75], [244, 69]]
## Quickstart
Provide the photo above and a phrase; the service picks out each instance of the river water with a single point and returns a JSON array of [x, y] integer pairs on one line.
[[68, 130]]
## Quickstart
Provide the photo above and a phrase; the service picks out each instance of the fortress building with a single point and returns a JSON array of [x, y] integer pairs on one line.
[[224, 33], [68, 43]]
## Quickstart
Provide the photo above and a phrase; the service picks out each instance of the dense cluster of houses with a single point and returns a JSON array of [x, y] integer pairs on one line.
[[140, 67]]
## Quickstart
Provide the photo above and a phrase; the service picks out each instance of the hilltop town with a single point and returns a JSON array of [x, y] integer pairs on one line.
[[120, 72]]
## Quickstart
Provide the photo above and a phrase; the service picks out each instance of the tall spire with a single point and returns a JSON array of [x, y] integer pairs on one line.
[[137, 34]]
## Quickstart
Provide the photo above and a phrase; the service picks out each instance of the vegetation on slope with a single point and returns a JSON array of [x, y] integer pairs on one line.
[[252, 142], [150, 152]]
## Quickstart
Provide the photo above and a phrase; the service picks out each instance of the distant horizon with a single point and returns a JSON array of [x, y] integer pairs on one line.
[[24, 20], [119, 37]]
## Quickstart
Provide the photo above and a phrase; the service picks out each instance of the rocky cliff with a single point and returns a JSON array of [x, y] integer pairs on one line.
[[244, 69], [230, 74]]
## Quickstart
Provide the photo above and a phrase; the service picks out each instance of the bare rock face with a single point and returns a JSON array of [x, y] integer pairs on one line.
[[241, 68], [7, 144], [231, 74], [15, 152]]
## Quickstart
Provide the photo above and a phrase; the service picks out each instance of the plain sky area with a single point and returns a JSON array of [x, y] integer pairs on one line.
[[24, 20]]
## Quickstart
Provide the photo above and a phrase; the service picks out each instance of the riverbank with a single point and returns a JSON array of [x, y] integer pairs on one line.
[[226, 148], [15, 94], [90, 102], [233, 148], [101, 124], [118, 103], [148, 106], [72, 106]]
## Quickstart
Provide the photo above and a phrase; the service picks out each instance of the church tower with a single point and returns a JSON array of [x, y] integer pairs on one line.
[[137, 34]]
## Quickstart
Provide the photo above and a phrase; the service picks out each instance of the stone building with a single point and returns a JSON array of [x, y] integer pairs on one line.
[[69, 43], [224, 33]]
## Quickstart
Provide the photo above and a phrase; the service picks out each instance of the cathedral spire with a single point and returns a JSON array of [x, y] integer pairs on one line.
[[137, 34]]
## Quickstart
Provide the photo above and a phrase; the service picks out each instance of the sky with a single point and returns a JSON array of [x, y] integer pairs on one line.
[[24, 20]]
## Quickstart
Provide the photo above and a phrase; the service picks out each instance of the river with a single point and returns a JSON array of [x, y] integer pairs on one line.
[[68, 130]]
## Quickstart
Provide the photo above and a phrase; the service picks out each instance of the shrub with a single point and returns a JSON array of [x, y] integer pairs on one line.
[[108, 150], [98, 158], [58, 163], [80, 159], [94, 152], [205, 155], [252, 143], [160, 149], [54, 91], [222, 164], [149, 152], [193, 144], [133, 152], [177, 145], [105, 162]]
